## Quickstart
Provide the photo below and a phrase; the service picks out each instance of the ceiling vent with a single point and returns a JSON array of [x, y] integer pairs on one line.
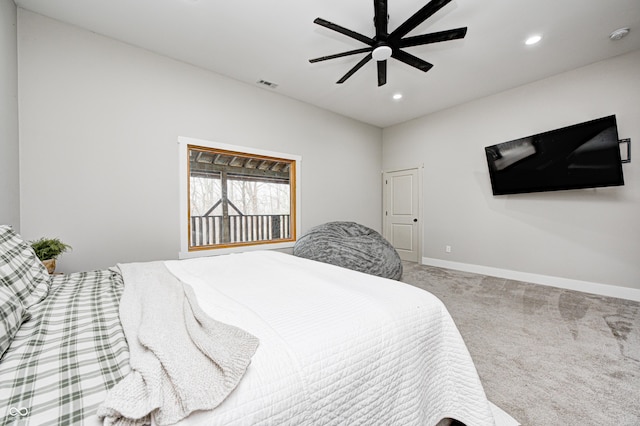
[[268, 84]]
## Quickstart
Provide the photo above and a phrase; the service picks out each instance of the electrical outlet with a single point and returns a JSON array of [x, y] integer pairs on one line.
[[447, 249]]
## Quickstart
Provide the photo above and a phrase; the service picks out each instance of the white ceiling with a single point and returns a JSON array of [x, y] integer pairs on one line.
[[251, 40]]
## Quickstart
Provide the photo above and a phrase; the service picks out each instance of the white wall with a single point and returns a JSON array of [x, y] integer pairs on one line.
[[9, 175], [587, 235], [99, 123]]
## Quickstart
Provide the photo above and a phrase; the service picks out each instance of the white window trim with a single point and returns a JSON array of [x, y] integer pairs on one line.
[[183, 143]]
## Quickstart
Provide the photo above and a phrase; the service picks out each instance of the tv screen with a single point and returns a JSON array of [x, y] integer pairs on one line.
[[585, 155]]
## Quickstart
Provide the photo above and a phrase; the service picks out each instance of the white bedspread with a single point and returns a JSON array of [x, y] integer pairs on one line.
[[337, 347]]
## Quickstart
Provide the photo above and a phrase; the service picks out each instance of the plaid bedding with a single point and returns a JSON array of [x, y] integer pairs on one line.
[[67, 355], [20, 269]]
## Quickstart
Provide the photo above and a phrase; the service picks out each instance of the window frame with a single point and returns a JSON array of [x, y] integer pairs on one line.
[[186, 251]]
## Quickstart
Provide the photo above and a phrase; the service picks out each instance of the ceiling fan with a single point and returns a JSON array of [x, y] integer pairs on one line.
[[385, 45]]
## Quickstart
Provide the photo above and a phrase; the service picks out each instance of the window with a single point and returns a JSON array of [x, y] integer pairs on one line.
[[237, 198]]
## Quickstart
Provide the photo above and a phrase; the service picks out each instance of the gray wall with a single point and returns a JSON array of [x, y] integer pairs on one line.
[[99, 152], [105, 117], [588, 235], [9, 182]]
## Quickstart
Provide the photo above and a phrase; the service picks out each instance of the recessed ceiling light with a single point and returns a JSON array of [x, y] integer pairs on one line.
[[397, 96], [533, 40]]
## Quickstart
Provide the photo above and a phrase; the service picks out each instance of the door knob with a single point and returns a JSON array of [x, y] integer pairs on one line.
[[415, 220]]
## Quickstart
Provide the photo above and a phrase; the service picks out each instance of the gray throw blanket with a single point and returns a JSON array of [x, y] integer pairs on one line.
[[181, 359]]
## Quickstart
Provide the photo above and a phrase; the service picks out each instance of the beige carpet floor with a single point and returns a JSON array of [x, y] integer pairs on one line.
[[546, 356]]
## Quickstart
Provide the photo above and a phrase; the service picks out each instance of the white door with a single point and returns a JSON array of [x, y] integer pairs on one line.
[[401, 212]]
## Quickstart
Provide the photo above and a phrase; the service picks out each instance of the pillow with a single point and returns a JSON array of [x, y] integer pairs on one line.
[[12, 315], [20, 269]]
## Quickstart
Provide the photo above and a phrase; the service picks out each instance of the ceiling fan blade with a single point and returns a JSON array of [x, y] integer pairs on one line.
[[411, 60], [418, 18], [434, 37], [345, 31], [340, 55], [356, 68], [382, 73], [381, 19]]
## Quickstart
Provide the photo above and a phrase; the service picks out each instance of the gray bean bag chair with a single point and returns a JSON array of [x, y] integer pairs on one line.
[[351, 246]]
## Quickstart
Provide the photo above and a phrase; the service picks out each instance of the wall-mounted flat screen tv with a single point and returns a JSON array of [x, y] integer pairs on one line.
[[585, 155]]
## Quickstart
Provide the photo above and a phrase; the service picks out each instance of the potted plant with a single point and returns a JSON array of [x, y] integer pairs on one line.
[[48, 250]]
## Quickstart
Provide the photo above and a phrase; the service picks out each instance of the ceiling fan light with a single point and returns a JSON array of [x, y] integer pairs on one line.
[[382, 53]]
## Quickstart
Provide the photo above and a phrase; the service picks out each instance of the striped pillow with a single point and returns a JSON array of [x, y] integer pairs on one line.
[[12, 315], [20, 269]]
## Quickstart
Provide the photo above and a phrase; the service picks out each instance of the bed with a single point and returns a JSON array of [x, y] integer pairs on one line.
[[332, 346]]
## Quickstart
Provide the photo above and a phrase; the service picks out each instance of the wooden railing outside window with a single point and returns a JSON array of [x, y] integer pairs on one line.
[[210, 230]]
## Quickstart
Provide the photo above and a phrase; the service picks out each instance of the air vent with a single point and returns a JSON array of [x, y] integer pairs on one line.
[[268, 84]]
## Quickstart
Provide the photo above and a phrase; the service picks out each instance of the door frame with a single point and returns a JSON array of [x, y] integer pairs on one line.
[[385, 199]]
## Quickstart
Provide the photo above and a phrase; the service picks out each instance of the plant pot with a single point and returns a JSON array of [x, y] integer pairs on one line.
[[50, 264]]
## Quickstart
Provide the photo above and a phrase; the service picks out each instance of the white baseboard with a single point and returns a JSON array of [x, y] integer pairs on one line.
[[565, 283]]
